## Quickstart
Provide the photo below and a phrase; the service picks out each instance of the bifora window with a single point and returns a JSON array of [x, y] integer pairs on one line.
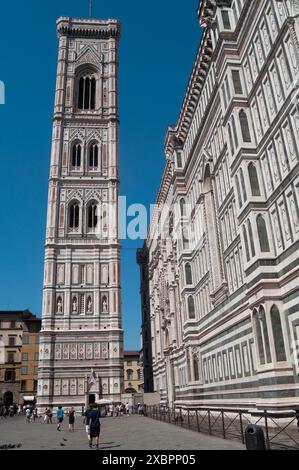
[[93, 156], [92, 216], [74, 216], [76, 155]]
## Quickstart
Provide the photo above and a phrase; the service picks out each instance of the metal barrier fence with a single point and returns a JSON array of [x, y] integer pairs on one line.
[[281, 430]]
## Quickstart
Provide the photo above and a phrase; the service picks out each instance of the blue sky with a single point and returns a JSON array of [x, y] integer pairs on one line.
[[158, 47]]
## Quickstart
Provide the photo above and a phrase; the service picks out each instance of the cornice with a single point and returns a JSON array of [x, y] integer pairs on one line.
[[88, 27], [206, 15]]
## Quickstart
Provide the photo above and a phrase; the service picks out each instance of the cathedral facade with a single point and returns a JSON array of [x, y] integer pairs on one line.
[[81, 344], [220, 265]]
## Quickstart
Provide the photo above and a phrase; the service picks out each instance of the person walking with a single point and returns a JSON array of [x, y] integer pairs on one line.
[[127, 409], [86, 420], [59, 415], [72, 420], [94, 426], [28, 415], [34, 415]]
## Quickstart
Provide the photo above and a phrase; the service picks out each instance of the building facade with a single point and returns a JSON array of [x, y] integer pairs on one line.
[[133, 373], [146, 359], [223, 243], [81, 350], [19, 346]]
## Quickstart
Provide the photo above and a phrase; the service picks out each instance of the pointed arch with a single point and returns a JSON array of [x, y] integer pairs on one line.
[[74, 215], [277, 331], [86, 87], [262, 234], [253, 178], [93, 155], [244, 126], [92, 216], [191, 308], [76, 155]]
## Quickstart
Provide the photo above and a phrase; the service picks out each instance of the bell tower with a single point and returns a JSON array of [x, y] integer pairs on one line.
[[81, 344]]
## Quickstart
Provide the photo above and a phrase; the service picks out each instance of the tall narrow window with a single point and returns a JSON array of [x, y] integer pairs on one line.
[[74, 216], [280, 351], [262, 233], [259, 338], [262, 336], [196, 368], [242, 181], [234, 131], [179, 160], [76, 156], [237, 82], [171, 222], [246, 244], [86, 92], [92, 216], [244, 126], [262, 318], [93, 156], [225, 19], [191, 308], [238, 191], [251, 238], [230, 139], [183, 207], [188, 272], [254, 182]]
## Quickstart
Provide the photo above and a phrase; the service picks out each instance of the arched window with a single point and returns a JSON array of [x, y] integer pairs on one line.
[[188, 273], [242, 181], [246, 244], [183, 207], [74, 216], [87, 92], [244, 126], [251, 238], [262, 233], [93, 156], [262, 336], [254, 182], [129, 374], [191, 308], [92, 216], [76, 155], [280, 351], [238, 191], [196, 367]]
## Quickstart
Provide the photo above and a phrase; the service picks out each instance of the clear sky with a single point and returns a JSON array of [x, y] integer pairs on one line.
[[158, 47]]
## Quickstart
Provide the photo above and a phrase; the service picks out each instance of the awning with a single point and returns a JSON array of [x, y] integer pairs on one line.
[[104, 402], [29, 398]]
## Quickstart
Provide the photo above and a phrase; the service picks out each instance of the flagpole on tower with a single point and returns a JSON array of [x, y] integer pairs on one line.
[[90, 8]]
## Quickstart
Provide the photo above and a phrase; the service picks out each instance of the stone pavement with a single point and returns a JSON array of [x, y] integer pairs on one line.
[[123, 433]]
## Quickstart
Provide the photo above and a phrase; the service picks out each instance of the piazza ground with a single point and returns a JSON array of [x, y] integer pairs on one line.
[[123, 433]]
